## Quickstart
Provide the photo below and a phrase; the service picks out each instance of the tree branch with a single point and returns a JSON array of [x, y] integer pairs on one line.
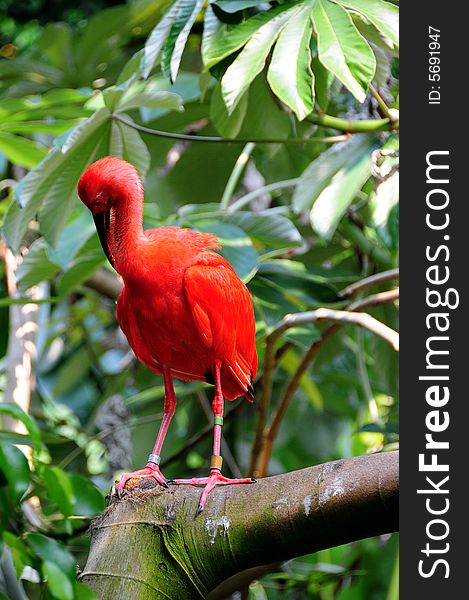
[[363, 284], [151, 546]]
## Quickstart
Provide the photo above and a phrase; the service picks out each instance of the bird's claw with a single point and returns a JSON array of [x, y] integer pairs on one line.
[[215, 478], [150, 470]]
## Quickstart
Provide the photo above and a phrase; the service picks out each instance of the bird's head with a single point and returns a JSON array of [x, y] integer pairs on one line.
[[110, 183]]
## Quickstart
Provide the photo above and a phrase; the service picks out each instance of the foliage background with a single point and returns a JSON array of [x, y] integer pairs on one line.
[[299, 221]]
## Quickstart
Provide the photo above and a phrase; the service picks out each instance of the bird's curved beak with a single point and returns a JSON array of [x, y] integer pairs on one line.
[[102, 221]]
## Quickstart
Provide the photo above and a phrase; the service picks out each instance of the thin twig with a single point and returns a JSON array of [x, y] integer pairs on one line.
[[204, 138], [376, 279]]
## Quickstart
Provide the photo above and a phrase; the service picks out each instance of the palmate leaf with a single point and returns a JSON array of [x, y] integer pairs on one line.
[[20, 150], [290, 75], [49, 190], [383, 15], [342, 49], [178, 34], [332, 202], [252, 59]]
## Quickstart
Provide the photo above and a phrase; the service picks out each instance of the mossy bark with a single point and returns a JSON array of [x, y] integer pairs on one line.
[[150, 545]]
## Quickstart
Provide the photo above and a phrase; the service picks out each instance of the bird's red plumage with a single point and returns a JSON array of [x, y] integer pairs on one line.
[[182, 306]]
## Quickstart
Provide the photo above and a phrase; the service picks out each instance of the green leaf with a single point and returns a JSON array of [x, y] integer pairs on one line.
[[164, 100], [89, 501], [290, 75], [320, 172], [332, 202], [264, 116], [21, 151], [52, 127], [342, 49], [50, 550], [228, 125], [86, 262], [251, 60], [383, 15], [73, 237], [50, 187], [59, 585], [15, 467], [82, 592], [127, 143], [59, 489], [157, 38], [322, 83], [178, 34], [223, 40], [36, 266], [15, 412], [232, 6]]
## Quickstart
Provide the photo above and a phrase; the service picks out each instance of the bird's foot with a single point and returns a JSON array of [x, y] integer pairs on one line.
[[151, 470], [215, 478]]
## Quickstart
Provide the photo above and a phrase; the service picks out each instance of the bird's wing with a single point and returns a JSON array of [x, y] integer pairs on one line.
[[224, 317]]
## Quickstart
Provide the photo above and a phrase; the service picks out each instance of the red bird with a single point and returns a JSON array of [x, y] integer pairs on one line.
[[183, 309]]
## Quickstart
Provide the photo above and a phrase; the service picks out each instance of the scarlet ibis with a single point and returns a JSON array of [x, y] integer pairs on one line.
[[183, 309]]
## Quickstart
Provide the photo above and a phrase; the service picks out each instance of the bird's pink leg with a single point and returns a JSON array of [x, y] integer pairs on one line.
[[215, 477], [152, 468]]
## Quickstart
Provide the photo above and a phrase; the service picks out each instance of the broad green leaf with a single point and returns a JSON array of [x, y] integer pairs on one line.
[[342, 49], [49, 549], [267, 227], [15, 468], [224, 40], [82, 592], [82, 131], [132, 68], [52, 127], [322, 83], [58, 202], [290, 75], [127, 143], [89, 501], [15, 412], [73, 237], [332, 202], [83, 266], [59, 585], [164, 100], [178, 34], [157, 38], [264, 116], [59, 489], [36, 266], [320, 172], [251, 60], [21, 151], [232, 6], [50, 187], [228, 125], [383, 15]]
